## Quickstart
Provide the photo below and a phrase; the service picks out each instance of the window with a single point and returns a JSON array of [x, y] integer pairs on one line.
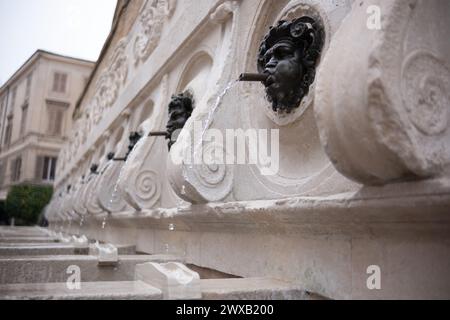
[[3, 105], [8, 131], [46, 168], [59, 82], [28, 87], [2, 174], [16, 168], [23, 121], [56, 111], [13, 97]]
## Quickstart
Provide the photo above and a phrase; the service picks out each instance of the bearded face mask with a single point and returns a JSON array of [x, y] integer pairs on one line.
[[289, 54]]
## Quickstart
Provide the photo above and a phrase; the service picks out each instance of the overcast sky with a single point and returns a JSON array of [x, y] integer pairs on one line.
[[75, 28]]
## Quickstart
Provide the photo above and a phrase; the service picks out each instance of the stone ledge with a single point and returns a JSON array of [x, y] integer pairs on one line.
[[252, 289], [27, 240], [223, 289], [51, 269], [411, 205], [123, 290], [324, 243], [37, 249]]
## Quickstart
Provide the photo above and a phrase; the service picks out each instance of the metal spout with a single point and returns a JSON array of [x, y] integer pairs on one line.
[[94, 169], [158, 134], [256, 77], [111, 157]]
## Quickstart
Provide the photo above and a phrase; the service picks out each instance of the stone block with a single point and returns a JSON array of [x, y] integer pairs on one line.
[[174, 279], [119, 290], [51, 269]]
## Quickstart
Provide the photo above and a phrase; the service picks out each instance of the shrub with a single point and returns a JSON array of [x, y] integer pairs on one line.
[[26, 202], [3, 214]]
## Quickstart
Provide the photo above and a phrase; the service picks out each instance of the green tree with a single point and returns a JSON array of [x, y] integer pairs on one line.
[[3, 214], [26, 202]]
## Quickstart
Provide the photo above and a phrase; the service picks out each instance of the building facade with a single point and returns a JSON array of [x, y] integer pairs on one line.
[[36, 107], [361, 186]]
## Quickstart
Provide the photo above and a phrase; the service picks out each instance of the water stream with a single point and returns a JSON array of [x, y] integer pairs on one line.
[[81, 225], [213, 111], [145, 133], [206, 126], [70, 225], [178, 249], [104, 221]]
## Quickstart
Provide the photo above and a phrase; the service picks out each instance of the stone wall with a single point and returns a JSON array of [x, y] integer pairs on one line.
[[363, 161]]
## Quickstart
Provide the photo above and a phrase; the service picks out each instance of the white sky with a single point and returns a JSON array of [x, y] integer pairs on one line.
[[75, 28]]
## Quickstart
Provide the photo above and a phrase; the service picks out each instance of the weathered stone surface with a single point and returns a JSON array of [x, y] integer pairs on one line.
[[383, 115], [364, 160], [41, 250], [118, 290], [43, 269], [224, 289], [175, 280], [22, 232], [105, 253], [122, 249], [329, 240], [252, 289], [26, 240]]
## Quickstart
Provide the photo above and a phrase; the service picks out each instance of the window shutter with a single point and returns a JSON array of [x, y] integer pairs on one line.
[[2, 174], [63, 82], [53, 169], [39, 168], [55, 81], [23, 121], [16, 169], [46, 168], [58, 121], [13, 170], [28, 87], [19, 168], [51, 120]]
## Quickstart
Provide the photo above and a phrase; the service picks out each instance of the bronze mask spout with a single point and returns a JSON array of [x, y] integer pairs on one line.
[[94, 169], [255, 77]]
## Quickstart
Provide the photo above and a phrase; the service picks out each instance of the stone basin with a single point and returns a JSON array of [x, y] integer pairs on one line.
[[212, 289], [38, 249], [51, 269], [120, 290], [16, 239]]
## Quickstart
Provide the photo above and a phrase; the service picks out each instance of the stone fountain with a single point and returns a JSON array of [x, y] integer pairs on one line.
[[358, 116]]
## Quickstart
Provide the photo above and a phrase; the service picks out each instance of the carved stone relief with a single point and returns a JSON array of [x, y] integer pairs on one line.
[[109, 199], [395, 115], [112, 80], [304, 168], [203, 183], [142, 187], [151, 21]]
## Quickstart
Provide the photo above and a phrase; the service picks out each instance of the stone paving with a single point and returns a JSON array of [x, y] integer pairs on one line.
[[35, 265]]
